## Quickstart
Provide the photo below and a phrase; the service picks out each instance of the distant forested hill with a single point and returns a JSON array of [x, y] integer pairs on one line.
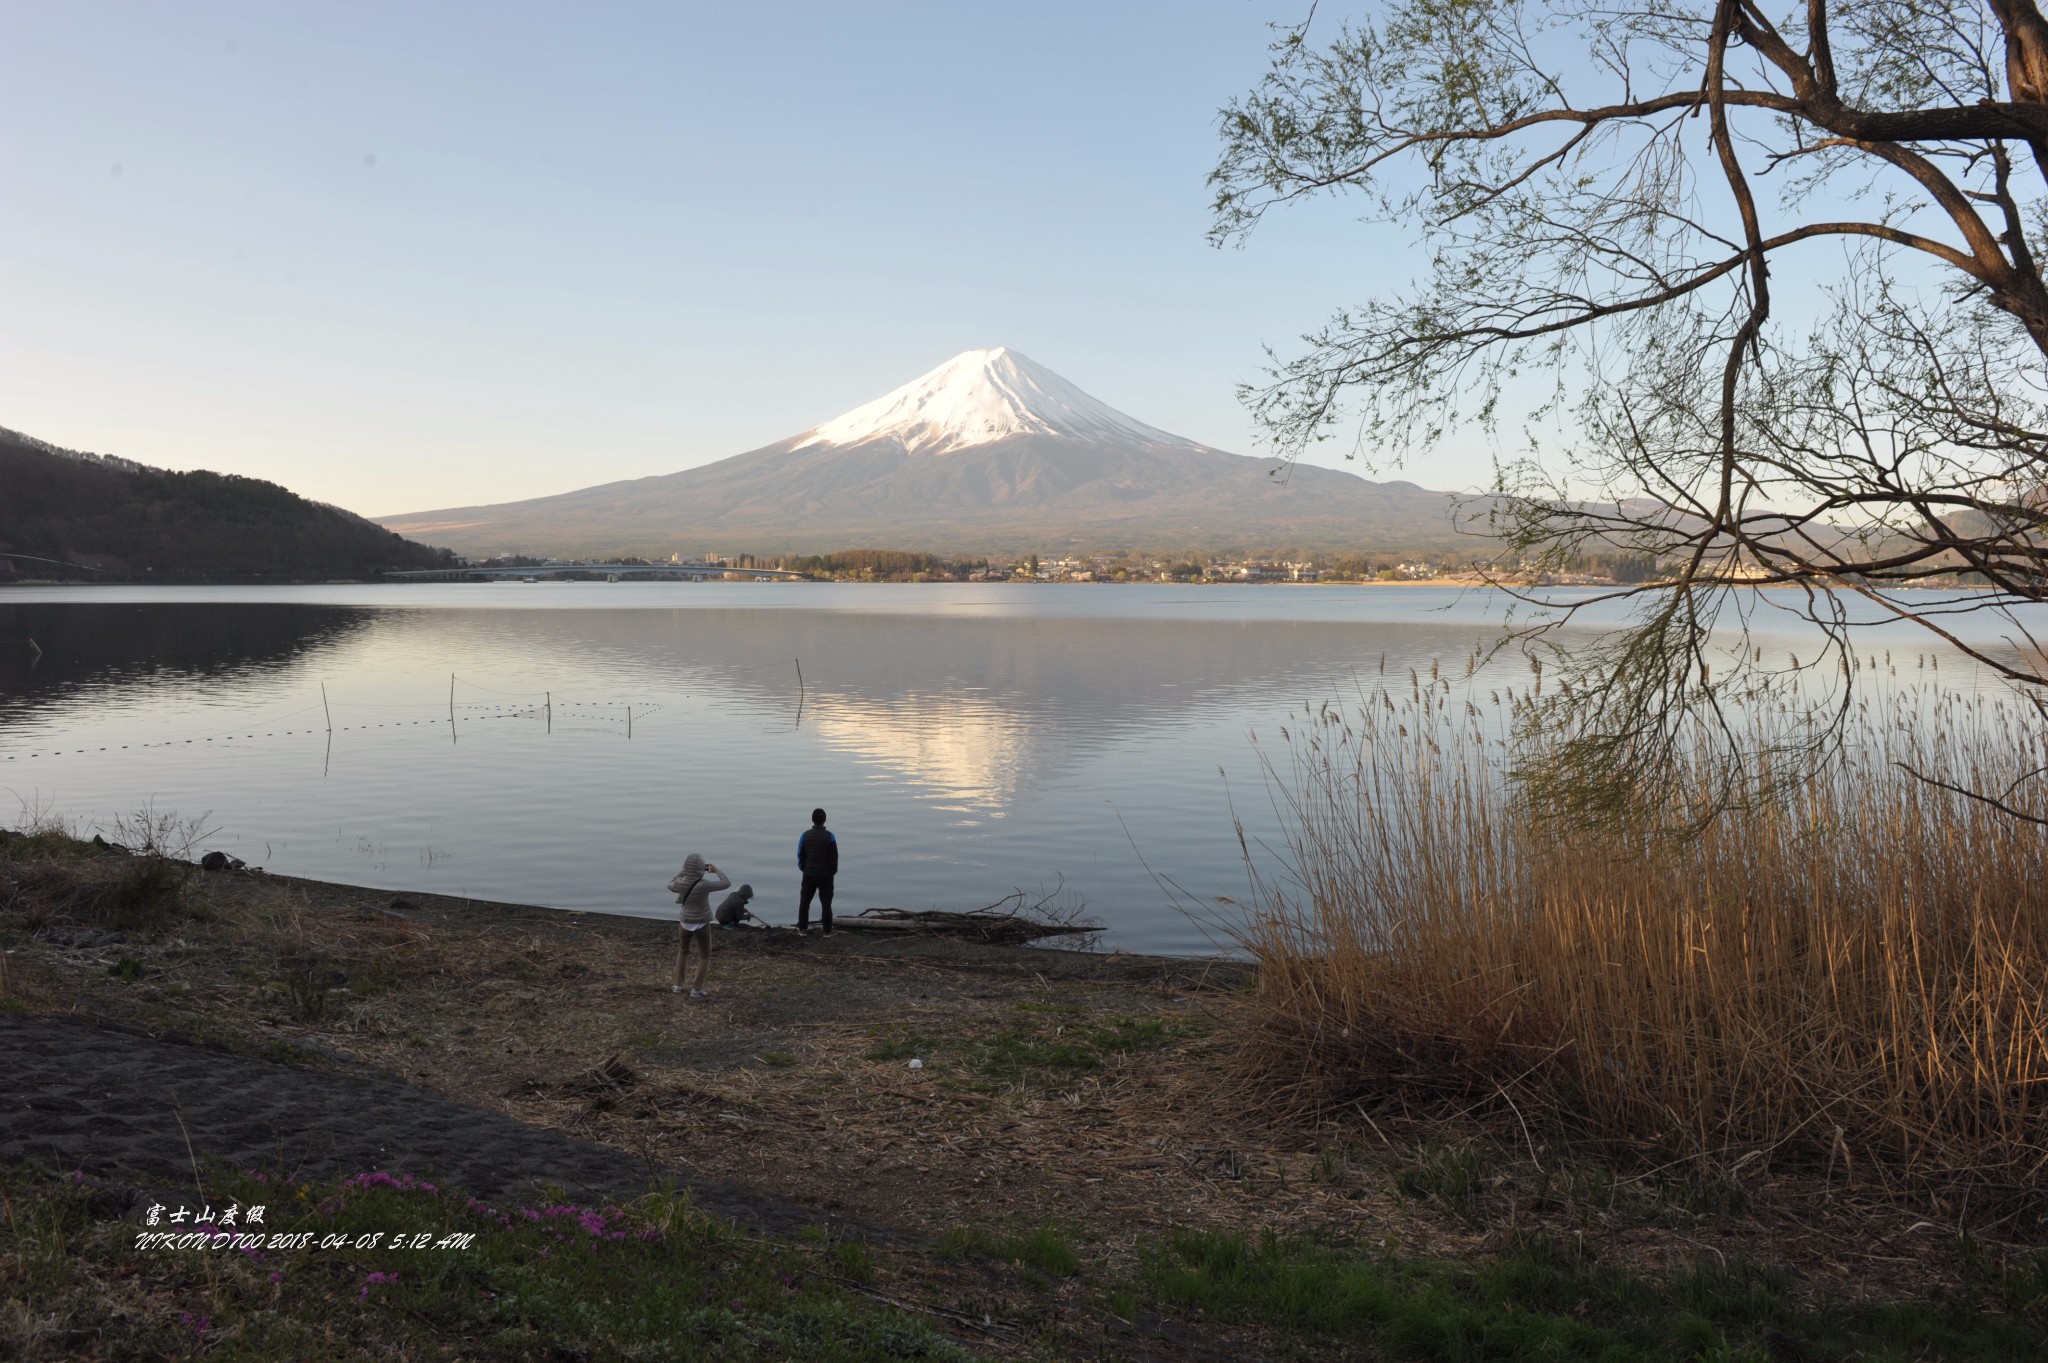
[[135, 523]]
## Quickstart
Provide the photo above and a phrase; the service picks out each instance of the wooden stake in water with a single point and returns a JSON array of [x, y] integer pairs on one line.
[[629, 721], [799, 692], [550, 709], [323, 707]]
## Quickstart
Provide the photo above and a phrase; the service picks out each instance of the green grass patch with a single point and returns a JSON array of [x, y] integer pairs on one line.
[[899, 1048], [1138, 1034], [1044, 1249], [366, 1269], [1015, 1054], [1544, 1300], [2025, 1287], [1051, 1045], [1068, 1049], [855, 1260], [1452, 1176]]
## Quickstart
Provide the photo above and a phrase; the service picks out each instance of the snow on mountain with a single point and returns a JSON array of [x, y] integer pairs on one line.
[[980, 396], [988, 453]]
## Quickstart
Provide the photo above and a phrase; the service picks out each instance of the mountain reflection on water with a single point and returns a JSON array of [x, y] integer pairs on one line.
[[974, 709], [50, 650], [566, 744]]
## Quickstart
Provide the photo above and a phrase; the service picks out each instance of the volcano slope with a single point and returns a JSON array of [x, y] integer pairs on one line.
[[989, 452]]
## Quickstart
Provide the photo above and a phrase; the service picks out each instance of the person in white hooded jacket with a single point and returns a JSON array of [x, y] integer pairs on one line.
[[693, 886]]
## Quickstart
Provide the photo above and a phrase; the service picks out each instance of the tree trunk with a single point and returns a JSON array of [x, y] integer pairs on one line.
[[2026, 50]]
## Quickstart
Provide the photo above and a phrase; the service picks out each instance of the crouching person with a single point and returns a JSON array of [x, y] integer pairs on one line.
[[732, 911]]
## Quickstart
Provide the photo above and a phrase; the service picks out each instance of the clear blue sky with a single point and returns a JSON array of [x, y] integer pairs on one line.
[[409, 255]]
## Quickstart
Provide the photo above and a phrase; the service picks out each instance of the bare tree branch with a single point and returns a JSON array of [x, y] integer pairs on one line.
[[1892, 433]]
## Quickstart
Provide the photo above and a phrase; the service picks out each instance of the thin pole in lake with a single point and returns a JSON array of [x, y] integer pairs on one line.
[[550, 709], [799, 693], [324, 708], [629, 721]]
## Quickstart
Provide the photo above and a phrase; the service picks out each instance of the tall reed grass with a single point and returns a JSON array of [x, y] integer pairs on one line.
[[1852, 977]]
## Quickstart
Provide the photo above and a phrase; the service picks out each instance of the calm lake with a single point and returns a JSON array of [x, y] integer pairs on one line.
[[968, 740]]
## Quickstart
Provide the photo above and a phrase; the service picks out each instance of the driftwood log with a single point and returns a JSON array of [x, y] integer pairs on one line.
[[1014, 918]]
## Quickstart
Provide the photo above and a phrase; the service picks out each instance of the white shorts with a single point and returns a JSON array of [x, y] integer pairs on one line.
[[692, 927]]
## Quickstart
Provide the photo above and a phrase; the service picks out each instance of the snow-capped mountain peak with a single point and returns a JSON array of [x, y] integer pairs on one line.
[[980, 396]]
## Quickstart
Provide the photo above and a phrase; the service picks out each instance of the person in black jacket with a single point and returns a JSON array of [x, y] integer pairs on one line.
[[817, 856]]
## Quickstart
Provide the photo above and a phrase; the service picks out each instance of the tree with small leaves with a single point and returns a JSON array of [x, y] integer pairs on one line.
[[1838, 388]]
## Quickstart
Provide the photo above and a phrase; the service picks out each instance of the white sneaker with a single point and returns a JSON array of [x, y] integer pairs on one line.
[[675, 989], [700, 993]]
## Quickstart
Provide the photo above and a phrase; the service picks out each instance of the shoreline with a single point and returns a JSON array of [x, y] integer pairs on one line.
[[1091, 1092], [1463, 583]]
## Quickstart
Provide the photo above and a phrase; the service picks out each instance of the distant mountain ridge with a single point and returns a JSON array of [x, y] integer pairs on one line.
[[112, 461], [66, 513], [988, 452]]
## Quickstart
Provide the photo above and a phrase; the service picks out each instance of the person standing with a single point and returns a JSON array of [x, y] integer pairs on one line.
[[693, 886], [817, 856]]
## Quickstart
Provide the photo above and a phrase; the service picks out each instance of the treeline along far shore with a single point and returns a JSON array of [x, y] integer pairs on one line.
[[75, 516]]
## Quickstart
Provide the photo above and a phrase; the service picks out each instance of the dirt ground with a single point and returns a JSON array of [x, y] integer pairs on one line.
[[1084, 1090]]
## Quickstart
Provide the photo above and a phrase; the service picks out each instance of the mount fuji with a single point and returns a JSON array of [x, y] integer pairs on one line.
[[988, 452]]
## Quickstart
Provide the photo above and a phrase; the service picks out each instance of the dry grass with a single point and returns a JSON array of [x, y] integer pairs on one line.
[[1084, 1091], [1851, 981]]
